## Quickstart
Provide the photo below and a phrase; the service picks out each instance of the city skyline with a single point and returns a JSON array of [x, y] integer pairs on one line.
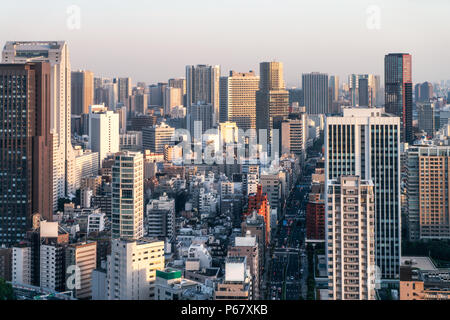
[[161, 32]]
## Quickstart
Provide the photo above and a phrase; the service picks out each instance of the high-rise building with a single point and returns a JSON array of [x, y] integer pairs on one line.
[[172, 97], [238, 99], [82, 91], [294, 136], [160, 217], [128, 196], [124, 89], [427, 185], [103, 131], [57, 54], [398, 90], [428, 120], [202, 85], [334, 85], [365, 142], [131, 269], [202, 117], [154, 138], [272, 99], [350, 239], [315, 91], [26, 148], [83, 255]]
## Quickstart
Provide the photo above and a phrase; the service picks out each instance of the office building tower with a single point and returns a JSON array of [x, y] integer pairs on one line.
[[272, 100], [427, 114], [57, 54], [128, 196], [131, 269], [294, 136], [350, 239], [173, 97], [201, 118], [202, 85], [238, 99], [315, 92], [157, 94], [25, 147], [425, 92], [83, 255], [103, 131], [398, 91], [363, 92], [427, 185], [334, 85], [124, 89], [154, 138], [296, 96], [179, 83], [365, 142], [82, 91], [160, 217]]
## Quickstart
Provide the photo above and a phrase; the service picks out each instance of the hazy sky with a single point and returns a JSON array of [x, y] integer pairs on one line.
[[152, 40]]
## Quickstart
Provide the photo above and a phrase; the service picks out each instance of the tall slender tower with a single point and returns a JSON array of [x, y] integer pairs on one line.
[[350, 240], [365, 142], [25, 148], [202, 85], [128, 196], [399, 90], [82, 91], [57, 54], [315, 92], [272, 99]]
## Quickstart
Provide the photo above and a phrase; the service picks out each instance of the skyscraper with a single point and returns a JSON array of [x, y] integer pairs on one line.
[[103, 131], [124, 90], [238, 99], [272, 99], [427, 200], [399, 90], [82, 91], [57, 54], [128, 196], [202, 85], [350, 240], [315, 91], [365, 142], [334, 85], [25, 148]]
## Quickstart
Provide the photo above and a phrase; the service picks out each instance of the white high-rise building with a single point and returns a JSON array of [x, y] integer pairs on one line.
[[103, 131], [350, 239], [127, 207], [131, 269], [57, 54], [365, 142]]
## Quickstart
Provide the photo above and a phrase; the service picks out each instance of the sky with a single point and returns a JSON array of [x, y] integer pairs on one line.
[[153, 40]]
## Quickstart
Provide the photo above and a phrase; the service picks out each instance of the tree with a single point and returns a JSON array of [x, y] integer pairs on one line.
[[6, 290]]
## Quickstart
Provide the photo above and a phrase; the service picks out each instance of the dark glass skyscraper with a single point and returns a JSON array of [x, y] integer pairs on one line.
[[399, 91], [25, 148]]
